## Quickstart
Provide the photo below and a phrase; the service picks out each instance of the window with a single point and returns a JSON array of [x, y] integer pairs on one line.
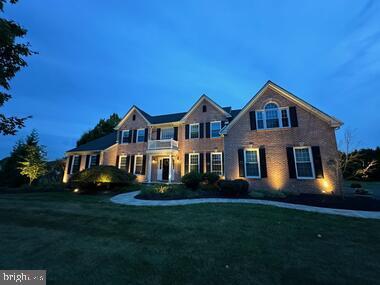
[[194, 131], [138, 164], [94, 160], [167, 133], [75, 165], [140, 135], [194, 162], [125, 136], [204, 108], [123, 162], [216, 163], [303, 161], [215, 129], [272, 117], [251, 158], [134, 117]]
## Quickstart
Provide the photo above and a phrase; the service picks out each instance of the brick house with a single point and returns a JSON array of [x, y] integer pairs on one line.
[[276, 141]]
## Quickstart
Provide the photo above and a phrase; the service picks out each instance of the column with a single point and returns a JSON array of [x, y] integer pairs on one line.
[[149, 172], [170, 168]]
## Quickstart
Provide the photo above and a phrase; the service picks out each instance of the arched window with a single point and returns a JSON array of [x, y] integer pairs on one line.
[[272, 115]]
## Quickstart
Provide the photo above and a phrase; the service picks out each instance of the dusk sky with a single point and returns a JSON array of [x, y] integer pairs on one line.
[[100, 57]]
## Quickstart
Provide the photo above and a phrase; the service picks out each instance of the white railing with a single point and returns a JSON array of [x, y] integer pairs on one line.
[[162, 144]]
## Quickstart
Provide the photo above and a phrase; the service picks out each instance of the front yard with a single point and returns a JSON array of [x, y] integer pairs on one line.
[[88, 240]]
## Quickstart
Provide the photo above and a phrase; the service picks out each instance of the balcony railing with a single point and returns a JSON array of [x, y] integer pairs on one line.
[[162, 144]]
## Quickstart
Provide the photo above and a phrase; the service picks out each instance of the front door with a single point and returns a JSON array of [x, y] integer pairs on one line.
[[165, 169]]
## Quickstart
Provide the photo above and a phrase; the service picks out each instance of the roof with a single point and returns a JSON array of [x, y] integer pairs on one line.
[[97, 144], [161, 119]]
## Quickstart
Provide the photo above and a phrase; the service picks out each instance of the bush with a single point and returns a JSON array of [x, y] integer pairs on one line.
[[276, 194], [256, 195], [210, 178], [356, 185], [101, 177], [166, 192], [234, 188], [192, 180]]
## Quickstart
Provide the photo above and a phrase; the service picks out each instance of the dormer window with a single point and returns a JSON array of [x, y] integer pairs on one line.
[[272, 117], [204, 108]]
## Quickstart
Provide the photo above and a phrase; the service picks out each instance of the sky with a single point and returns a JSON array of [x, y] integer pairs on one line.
[[100, 57]]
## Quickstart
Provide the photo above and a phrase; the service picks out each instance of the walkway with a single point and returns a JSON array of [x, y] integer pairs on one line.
[[129, 199]]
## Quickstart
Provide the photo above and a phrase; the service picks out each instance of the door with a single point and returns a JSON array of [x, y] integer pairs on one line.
[[165, 169]]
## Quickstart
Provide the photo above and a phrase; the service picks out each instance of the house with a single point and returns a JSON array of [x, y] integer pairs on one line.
[[276, 141]]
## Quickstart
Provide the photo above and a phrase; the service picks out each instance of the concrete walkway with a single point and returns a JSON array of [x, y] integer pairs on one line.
[[129, 199]]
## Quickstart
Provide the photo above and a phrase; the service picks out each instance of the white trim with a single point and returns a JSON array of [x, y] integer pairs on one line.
[[221, 162], [199, 130], [311, 162], [258, 162], [172, 128], [137, 135], [122, 136], [90, 160], [72, 163], [119, 163], [279, 116], [133, 108], [220, 127], [134, 164], [190, 164]]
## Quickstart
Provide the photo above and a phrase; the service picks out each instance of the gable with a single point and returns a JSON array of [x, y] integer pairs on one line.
[[134, 119]]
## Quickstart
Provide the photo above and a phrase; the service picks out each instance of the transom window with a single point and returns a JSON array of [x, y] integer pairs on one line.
[[272, 117], [123, 162], [251, 158], [167, 133], [217, 163], [125, 136], [193, 162], [303, 161], [215, 129], [194, 131], [75, 164], [138, 164], [94, 160], [140, 135]]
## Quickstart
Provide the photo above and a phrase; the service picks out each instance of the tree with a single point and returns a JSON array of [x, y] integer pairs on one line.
[[12, 54], [34, 165], [103, 127]]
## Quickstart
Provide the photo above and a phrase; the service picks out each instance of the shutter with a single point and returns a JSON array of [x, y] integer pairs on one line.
[[87, 161], [120, 133], [132, 170], [117, 161], [293, 117], [129, 136], [252, 119], [207, 129], [263, 163], [127, 159], [317, 161], [134, 135], [187, 132], [241, 162], [143, 165], [175, 133], [146, 135], [158, 137], [98, 159], [291, 164], [79, 163], [223, 163], [201, 163], [208, 162], [186, 163], [222, 124], [70, 163], [201, 130]]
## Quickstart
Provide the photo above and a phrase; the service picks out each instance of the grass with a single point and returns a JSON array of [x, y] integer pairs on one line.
[[85, 239]]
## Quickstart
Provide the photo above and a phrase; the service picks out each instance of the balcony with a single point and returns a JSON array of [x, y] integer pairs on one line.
[[157, 145]]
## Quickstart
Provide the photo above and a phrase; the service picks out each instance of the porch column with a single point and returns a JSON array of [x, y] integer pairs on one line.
[[170, 168], [149, 168]]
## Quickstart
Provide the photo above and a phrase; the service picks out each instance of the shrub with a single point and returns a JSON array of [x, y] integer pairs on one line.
[[256, 195], [274, 194], [192, 180], [356, 185], [165, 192], [101, 177], [234, 188], [210, 178]]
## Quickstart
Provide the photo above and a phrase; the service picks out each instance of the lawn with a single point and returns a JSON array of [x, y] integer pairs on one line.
[[88, 240], [371, 186]]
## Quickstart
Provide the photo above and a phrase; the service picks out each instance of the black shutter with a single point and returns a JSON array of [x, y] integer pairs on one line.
[[146, 135], [208, 162], [207, 129], [201, 168], [201, 130], [120, 136], [132, 164], [252, 119], [317, 161], [158, 137], [117, 161], [79, 162], [187, 132], [143, 165], [87, 161], [263, 163], [223, 163], [127, 159], [129, 139], [293, 116], [186, 163], [175, 133], [241, 162], [98, 159], [291, 164], [222, 123], [70, 163], [134, 135]]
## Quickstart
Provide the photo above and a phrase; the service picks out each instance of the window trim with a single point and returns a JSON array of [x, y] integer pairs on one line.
[[258, 162], [190, 127], [90, 160], [134, 165], [137, 135], [161, 132], [198, 163], [221, 162], [72, 163], [311, 162], [122, 136], [220, 127], [279, 116], [120, 157]]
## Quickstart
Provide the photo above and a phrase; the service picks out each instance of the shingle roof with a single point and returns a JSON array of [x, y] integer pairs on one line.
[[97, 144]]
